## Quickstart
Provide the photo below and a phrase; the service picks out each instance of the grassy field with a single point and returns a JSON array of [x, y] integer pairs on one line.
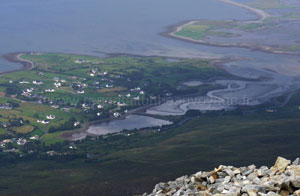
[[194, 31], [85, 82], [267, 4]]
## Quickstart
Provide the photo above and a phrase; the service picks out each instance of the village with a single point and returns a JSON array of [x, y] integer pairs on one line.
[[63, 93], [66, 101]]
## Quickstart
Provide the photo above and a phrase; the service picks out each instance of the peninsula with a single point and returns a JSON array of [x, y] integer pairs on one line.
[[243, 34]]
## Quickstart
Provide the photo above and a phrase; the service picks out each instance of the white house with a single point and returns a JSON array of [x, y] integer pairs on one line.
[[136, 89], [37, 82], [35, 137], [121, 104], [29, 90], [43, 122], [50, 117], [109, 86], [116, 114], [76, 124], [79, 61], [136, 98], [49, 90], [21, 141], [6, 141], [57, 84], [24, 82]]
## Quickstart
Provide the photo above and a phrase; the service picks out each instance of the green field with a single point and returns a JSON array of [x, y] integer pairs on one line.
[[267, 4], [103, 81]]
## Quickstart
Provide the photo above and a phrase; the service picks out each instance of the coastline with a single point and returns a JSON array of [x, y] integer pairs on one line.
[[262, 15], [16, 58]]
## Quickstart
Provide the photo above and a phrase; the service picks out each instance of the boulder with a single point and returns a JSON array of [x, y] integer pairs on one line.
[[272, 194], [296, 162], [296, 182], [280, 165], [296, 193]]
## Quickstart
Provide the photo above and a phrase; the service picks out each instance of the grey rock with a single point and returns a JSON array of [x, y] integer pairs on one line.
[[239, 177], [272, 194], [250, 187], [281, 164], [252, 176], [252, 192], [296, 182], [257, 181], [247, 172], [227, 179], [296, 162], [297, 193], [229, 172]]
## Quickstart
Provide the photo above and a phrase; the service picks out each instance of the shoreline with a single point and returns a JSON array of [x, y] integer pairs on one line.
[[263, 15], [173, 29], [16, 58]]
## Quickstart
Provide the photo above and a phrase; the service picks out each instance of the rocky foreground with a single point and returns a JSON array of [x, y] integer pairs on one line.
[[283, 179]]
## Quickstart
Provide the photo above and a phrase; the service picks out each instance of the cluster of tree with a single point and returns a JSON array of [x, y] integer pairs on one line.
[[13, 104], [68, 125], [16, 122], [13, 90], [193, 113]]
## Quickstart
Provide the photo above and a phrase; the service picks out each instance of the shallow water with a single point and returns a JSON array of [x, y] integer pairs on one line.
[[131, 122], [193, 83]]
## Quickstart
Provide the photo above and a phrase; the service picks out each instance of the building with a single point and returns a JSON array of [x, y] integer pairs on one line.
[[35, 137], [76, 124], [49, 90], [6, 106], [36, 82], [21, 141], [45, 122], [50, 117], [57, 84], [117, 114]]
